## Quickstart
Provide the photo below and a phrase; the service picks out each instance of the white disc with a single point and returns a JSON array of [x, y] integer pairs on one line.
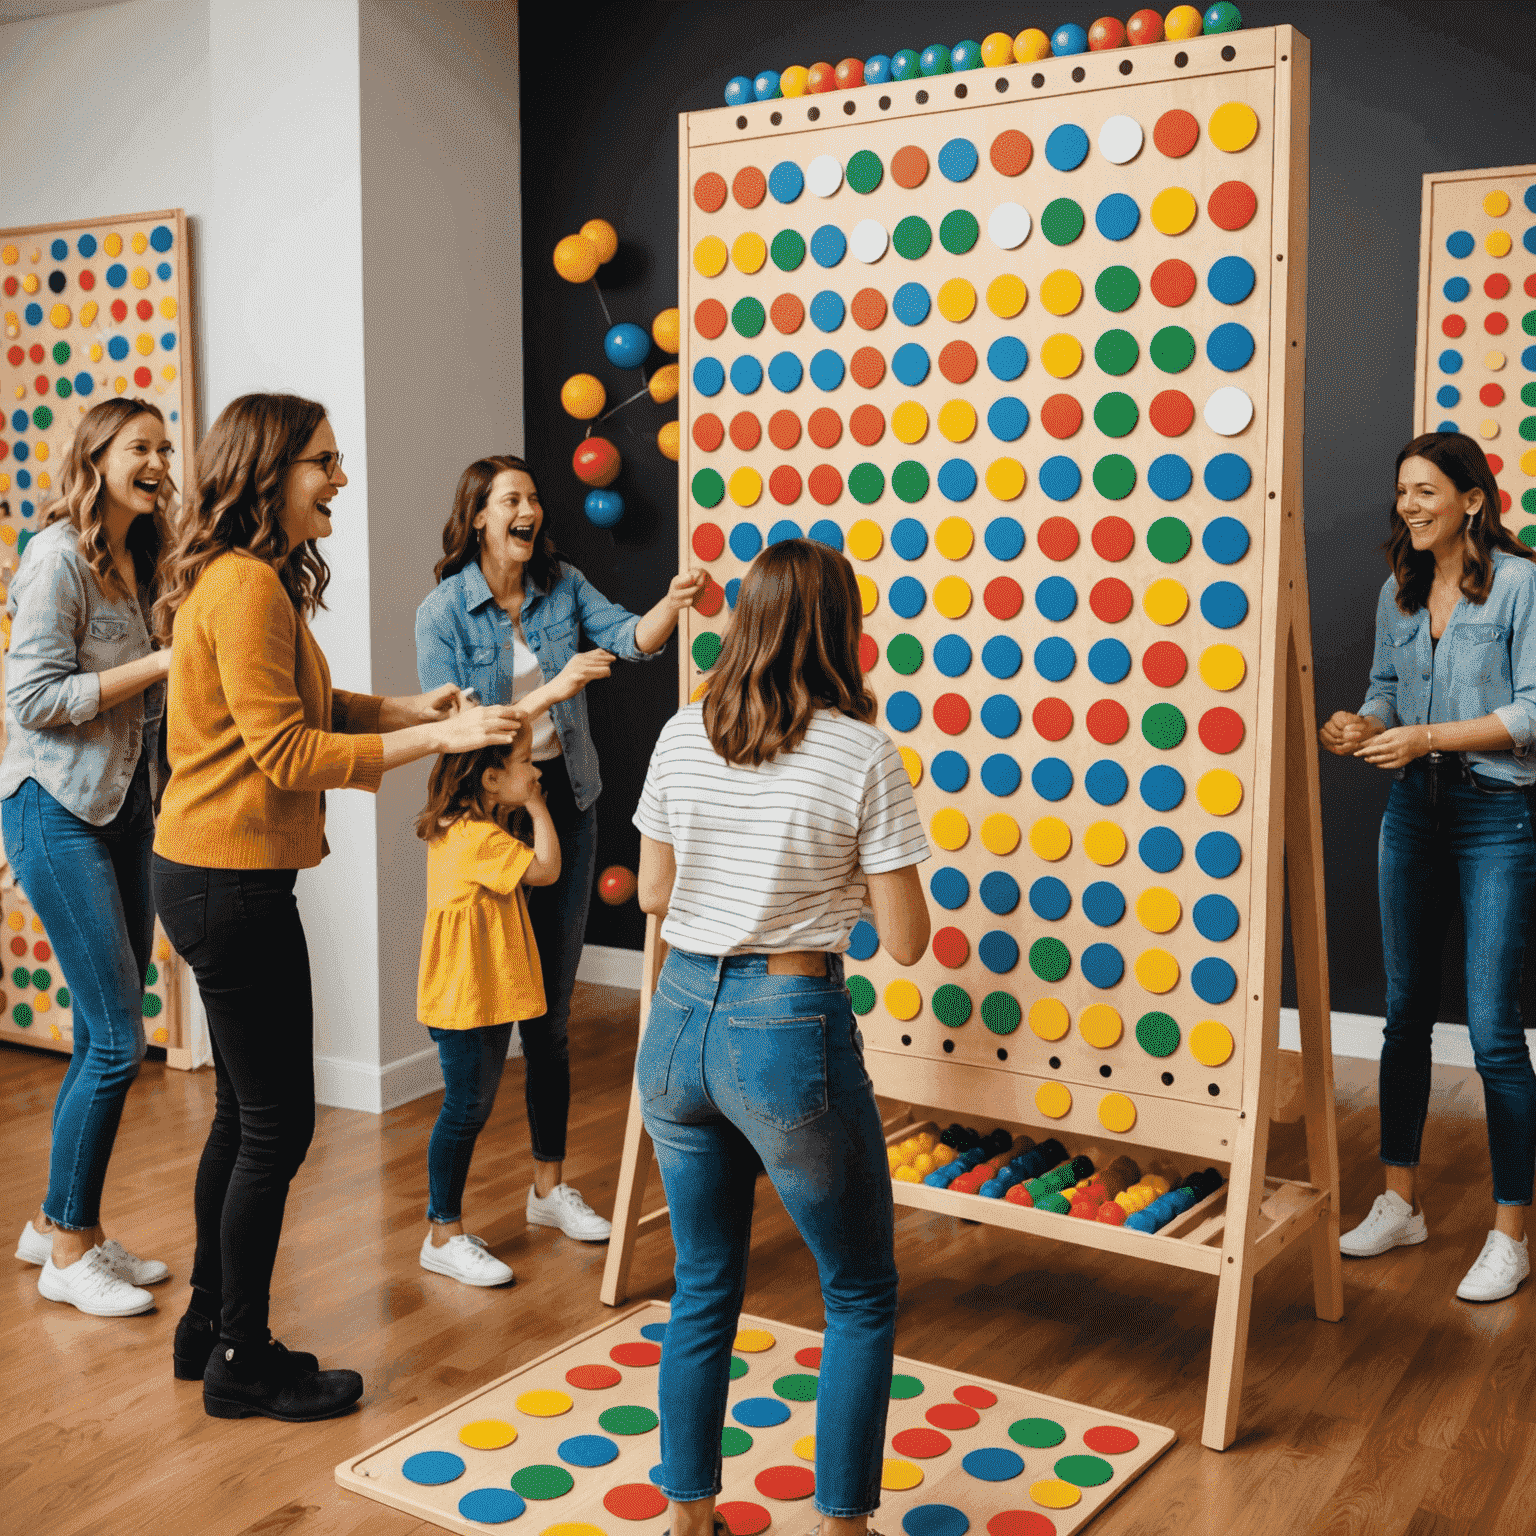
[[1008, 226], [824, 175], [1120, 140], [868, 240], [1228, 411]]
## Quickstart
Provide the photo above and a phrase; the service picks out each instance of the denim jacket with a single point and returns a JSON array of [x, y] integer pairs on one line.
[[1484, 663], [64, 631], [463, 636]]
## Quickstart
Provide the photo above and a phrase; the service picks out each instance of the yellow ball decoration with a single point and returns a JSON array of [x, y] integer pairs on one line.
[[667, 330], [795, 80], [996, 50], [664, 383], [670, 440], [583, 396], [1031, 45], [604, 239], [576, 259]]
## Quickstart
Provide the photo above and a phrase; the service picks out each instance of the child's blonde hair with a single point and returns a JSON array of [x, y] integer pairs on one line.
[[456, 789]]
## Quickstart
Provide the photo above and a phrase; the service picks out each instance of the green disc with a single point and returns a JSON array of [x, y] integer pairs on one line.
[[734, 1442], [1117, 288], [21, 977], [1115, 414], [1528, 500], [860, 994], [708, 488], [42, 418], [912, 237], [1062, 221], [62, 997], [151, 1005], [1049, 959], [909, 480], [1528, 533], [22, 1015], [1169, 540], [1172, 349], [1528, 394], [951, 1005], [796, 1389], [65, 389], [628, 1420], [1157, 1034], [151, 974], [1039, 1433], [905, 654], [1084, 1471], [787, 250], [905, 1386], [1528, 428], [866, 483], [41, 979], [959, 231], [1114, 477], [749, 317], [1163, 726], [1000, 1012], [863, 171], [738, 1365], [1528, 322], [1116, 352], [1057, 1204], [706, 650], [542, 1482], [61, 352]]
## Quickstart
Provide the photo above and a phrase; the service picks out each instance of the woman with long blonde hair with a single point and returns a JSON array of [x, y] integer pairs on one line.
[[83, 704]]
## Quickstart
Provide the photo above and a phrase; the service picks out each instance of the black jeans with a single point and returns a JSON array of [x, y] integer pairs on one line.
[[239, 930]]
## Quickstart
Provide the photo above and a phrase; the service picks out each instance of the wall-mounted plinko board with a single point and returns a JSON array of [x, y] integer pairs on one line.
[[1476, 366], [1017, 344]]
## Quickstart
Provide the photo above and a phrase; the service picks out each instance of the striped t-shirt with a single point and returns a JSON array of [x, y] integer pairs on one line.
[[773, 858]]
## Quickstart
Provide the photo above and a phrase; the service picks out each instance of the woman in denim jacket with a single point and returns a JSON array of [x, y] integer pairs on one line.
[[84, 697], [506, 620], [1451, 713]]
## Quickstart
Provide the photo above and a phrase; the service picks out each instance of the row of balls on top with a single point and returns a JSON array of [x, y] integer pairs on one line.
[[993, 52]]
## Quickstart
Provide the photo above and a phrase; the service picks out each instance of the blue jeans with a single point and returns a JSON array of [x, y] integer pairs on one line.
[[90, 886], [1441, 830], [472, 1061], [740, 1072]]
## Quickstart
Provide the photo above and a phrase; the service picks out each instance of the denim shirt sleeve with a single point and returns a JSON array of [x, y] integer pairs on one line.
[[1381, 698], [46, 687], [607, 624], [1519, 715], [436, 653]]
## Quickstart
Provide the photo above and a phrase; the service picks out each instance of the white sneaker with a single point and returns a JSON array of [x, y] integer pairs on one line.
[[464, 1258], [34, 1247], [128, 1266], [1391, 1224], [91, 1285], [562, 1207], [1500, 1268]]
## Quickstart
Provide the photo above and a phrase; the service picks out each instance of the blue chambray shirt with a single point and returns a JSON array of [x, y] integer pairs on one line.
[[463, 636], [64, 631], [1484, 664]]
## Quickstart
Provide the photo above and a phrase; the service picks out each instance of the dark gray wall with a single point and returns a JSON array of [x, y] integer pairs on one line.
[[1397, 90]]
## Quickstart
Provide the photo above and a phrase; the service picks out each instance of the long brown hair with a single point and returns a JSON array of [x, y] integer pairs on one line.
[[1463, 463], [792, 646], [461, 539], [81, 494], [238, 503], [455, 790]]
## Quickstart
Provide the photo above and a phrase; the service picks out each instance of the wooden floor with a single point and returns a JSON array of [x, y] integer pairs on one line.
[[1416, 1414]]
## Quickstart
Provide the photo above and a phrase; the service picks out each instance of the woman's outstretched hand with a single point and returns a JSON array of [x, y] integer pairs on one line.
[[686, 588], [583, 668], [1395, 748], [1343, 733]]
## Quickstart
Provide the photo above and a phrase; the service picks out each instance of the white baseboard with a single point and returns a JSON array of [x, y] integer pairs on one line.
[[608, 966], [1359, 1035], [360, 1085]]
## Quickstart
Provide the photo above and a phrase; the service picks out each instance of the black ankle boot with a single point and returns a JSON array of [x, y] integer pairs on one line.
[[242, 1381], [195, 1338]]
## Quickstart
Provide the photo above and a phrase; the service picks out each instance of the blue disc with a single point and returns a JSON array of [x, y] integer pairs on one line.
[[956, 480], [1004, 538], [1528, 359], [1050, 899], [708, 375], [909, 539], [827, 369], [1161, 849], [655, 1332], [999, 892], [1056, 598], [1528, 240], [1456, 289], [1218, 854], [1060, 478], [785, 372], [958, 160], [1230, 347], [863, 941], [1106, 782], [431, 1468], [1460, 243], [86, 245], [161, 238], [910, 303], [117, 275], [1007, 418], [1109, 661], [825, 531], [746, 540], [760, 1412], [877, 69], [655, 1474], [19, 421], [1224, 604], [1007, 358], [491, 1506], [1447, 396], [828, 246], [950, 772], [952, 655], [1214, 980], [1002, 657], [1225, 540], [1530, 198], [768, 86], [1117, 216], [1227, 476], [587, 1451], [1447, 426], [1162, 787], [732, 591], [1450, 361], [1230, 280], [117, 350], [910, 364], [84, 383], [33, 315], [1103, 904], [1000, 716], [1103, 965], [1050, 777], [59, 249], [998, 951], [949, 888], [1000, 774], [785, 528], [746, 375], [935, 1520], [786, 181], [1215, 917], [827, 310], [1067, 146], [993, 1464], [1055, 659], [907, 596]]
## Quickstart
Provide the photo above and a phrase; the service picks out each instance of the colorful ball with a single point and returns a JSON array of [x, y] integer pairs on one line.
[[738, 91], [583, 396], [603, 509], [1223, 17], [906, 64], [934, 59], [667, 330], [821, 78], [965, 55], [670, 440], [792, 81], [604, 238], [576, 259], [1106, 32], [849, 73], [1031, 45], [1182, 22], [1067, 39], [596, 462], [1111, 1214], [877, 69], [1144, 27], [996, 50], [664, 383], [627, 345], [766, 86], [616, 884]]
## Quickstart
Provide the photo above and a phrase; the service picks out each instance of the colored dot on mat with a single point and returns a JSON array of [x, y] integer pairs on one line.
[[1158, 1035], [1049, 959], [956, 480], [497, 1506], [951, 1004], [490, 1434], [861, 997], [1051, 779], [1218, 854], [992, 1464], [796, 1388], [1222, 667], [1229, 346], [1117, 216], [1050, 838], [1107, 722], [1050, 899], [1104, 843], [1061, 291], [1169, 476], [631, 1501], [1106, 780], [1115, 414], [1006, 295], [912, 237], [743, 1518], [1061, 416], [1111, 1439], [999, 893], [1162, 787], [1000, 716], [935, 1520], [429, 1469], [1117, 1114], [1211, 1044], [896, 1475], [1054, 1493], [1163, 726], [545, 1404], [542, 1482], [1173, 210], [1224, 605], [1114, 477], [1215, 918], [1157, 970], [1219, 791], [1102, 966], [1000, 1012], [1039, 1434], [958, 233], [587, 1451], [1221, 730], [1062, 221], [785, 1482], [921, 1443]]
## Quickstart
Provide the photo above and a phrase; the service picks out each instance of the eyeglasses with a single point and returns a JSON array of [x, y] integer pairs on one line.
[[329, 462]]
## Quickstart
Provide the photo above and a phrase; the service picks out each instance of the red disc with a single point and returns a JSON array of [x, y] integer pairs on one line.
[[1113, 538], [1165, 664], [1110, 600], [951, 948], [869, 653], [120, 310], [742, 1518], [922, 1443], [1496, 323], [1496, 287], [1057, 538], [1052, 718], [975, 1397], [15, 357], [87, 279], [635, 1501], [750, 186], [641, 1352], [1232, 205], [867, 307], [708, 541], [1221, 729], [784, 485], [951, 713], [40, 383], [784, 430], [810, 1357], [35, 352], [1003, 597], [18, 946], [866, 367], [1061, 415], [1173, 282], [709, 192], [909, 167], [141, 376], [785, 1482], [866, 425], [825, 427], [1019, 1522], [1491, 394], [1176, 133], [709, 318], [1454, 325], [1495, 463], [709, 431], [1530, 286], [11, 286], [1111, 1439], [1171, 413], [957, 362], [952, 1416], [143, 309], [1107, 722], [746, 431], [1506, 501], [787, 314], [824, 484], [710, 601], [593, 1378], [1011, 153]]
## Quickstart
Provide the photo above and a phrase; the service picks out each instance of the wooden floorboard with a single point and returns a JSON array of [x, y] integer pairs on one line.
[[1415, 1416]]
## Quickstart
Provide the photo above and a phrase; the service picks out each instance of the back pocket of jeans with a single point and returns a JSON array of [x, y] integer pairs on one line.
[[181, 902], [781, 1068]]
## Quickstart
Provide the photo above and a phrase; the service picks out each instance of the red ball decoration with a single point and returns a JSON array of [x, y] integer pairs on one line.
[[1106, 32], [596, 462], [1144, 27], [849, 73], [822, 77], [616, 885]]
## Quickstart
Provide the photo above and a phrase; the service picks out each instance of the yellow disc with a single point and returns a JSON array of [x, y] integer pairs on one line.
[[41, 1002], [909, 421], [1220, 791], [1005, 478], [140, 242], [1498, 243], [37, 923], [88, 313], [1165, 601], [996, 50], [45, 481], [665, 383], [699, 692], [1061, 291], [869, 596], [794, 80], [40, 451], [1049, 1019], [7, 533], [805, 1447], [143, 345], [896, 1475], [1157, 970], [1031, 45], [957, 300], [1211, 1043], [1494, 362], [59, 317], [1051, 838], [667, 330], [139, 277], [10, 255], [1173, 211], [669, 439], [952, 597], [573, 1528], [709, 256], [1496, 204], [1006, 295], [903, 1000], [1104, 843], [957, 420], [604, 238], [1100, 1025], [542, 1403], [31, 283], [749, 252], [1528, 461], [1053, 1100], [1222, 667], [999, 833], [163, 950], [954, 537], [168, 307], [745, 486], [96, 353], [1488, 427], [15, 919], [949, 829], [1158, 909], [1061, 355], [1233, 126], [913, 764], [1116, 1113], [161, 1035], [113, 244], [753, 1341], [865, 540], [488, 1434]]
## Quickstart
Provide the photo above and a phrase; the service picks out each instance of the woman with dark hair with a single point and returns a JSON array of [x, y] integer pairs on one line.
[[507, 620], [772, 813], [1451, 713], [257, 734], [84, 698]]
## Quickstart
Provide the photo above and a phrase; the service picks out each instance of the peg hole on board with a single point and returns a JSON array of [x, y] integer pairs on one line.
[[1126, 66], [1180, 60], [741, 122], [906, 1039], [1037, 81], [922, 98], [1167, 1079], [1229, 53], [885, 103], [949, 1046], [1055, 1063], [1002, 84], [776, 119], [961, 93], [814, 114], [1078, 73], [1214, 1089], [1002, 1055]]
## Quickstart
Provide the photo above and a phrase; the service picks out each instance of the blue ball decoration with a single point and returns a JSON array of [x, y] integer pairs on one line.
[[1067, 39], [877, 69], [627, 345], [966, 55], [738, 91], [604, 508], [905, 64], [934, 59], [766, 86]]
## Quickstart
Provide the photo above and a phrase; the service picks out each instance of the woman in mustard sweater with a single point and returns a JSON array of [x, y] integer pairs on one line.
[[256, 735]]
